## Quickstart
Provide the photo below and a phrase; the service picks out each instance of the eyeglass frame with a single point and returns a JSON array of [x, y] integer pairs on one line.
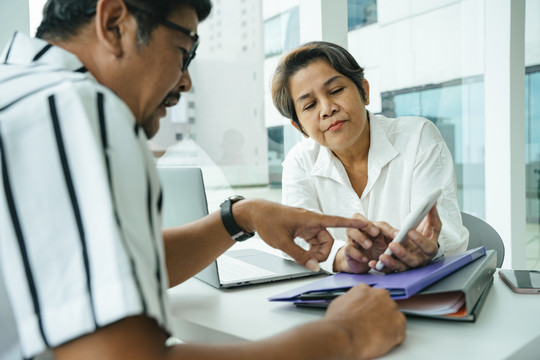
[[192, 34]]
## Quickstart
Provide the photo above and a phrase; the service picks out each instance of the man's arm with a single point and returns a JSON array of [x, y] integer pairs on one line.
[[192, 247], [364, 323]]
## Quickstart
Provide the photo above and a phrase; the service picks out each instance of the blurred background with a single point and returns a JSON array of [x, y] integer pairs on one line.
[[470, 66]]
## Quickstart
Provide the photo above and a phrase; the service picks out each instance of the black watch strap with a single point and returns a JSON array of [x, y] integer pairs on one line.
[[228, 220]]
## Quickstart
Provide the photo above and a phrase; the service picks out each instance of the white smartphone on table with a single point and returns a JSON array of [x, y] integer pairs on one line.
[[412, 221]]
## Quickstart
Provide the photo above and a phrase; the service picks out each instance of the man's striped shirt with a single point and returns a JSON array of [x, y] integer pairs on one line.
[[80, 200]]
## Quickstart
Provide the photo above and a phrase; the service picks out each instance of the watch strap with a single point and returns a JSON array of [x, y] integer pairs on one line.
[[230, 224]]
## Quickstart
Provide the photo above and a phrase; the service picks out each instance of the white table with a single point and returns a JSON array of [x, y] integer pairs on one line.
[[508, 326]]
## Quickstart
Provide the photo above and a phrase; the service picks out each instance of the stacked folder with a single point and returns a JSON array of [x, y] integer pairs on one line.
[[452, 288]]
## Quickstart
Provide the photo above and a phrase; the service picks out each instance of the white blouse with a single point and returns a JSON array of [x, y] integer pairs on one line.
[[407, 160]]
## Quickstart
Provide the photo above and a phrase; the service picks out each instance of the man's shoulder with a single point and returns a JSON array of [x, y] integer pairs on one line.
[[23, 84]]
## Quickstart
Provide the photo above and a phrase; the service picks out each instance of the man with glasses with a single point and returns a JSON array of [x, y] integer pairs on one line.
[[84, 264]]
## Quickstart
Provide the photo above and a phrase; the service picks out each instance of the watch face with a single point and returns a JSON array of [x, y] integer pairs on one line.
[[236, 198], [244, 236]]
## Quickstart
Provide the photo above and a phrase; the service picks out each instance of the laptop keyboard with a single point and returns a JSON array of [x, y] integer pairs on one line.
[[233, 270]]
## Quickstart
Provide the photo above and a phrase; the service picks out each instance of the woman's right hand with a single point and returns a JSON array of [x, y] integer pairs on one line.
[[361, 247]]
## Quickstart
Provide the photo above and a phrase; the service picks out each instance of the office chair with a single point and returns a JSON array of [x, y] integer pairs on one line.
[[481, 233]]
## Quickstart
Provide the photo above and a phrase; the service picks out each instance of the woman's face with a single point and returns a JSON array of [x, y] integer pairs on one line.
[[329, 106]]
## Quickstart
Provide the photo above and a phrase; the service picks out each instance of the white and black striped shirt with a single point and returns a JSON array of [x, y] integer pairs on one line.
[[80, 201]]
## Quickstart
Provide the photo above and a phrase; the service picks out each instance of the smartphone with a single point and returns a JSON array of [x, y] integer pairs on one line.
[[521, 281], [412, 220]]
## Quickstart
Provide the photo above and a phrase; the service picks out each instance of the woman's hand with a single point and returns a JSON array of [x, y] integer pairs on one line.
[[363, 249], [419, 249], [362, 245]]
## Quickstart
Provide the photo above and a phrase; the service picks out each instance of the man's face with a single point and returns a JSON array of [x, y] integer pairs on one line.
[[157, 67]]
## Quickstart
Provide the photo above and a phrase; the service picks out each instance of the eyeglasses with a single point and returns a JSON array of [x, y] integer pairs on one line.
[[192, 35]]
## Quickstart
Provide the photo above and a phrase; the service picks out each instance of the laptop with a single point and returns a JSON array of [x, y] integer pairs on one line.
[[184, 201]]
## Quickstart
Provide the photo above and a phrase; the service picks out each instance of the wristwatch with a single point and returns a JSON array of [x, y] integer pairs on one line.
[[228, 220]]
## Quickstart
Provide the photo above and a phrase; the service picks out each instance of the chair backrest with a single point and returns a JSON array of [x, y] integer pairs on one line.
[[481, 233]]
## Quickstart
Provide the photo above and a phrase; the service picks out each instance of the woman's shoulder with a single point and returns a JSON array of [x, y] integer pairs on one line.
[[305, 149], [403, 123], [306, 145], [417, 126]]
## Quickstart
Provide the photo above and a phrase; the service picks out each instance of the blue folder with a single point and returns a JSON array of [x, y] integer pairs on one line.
[[400, 285]]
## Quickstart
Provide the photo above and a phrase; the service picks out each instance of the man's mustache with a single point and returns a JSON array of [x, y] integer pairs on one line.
[[171, 99]]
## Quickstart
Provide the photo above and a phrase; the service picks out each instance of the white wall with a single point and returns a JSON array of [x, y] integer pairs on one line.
[[420, 42], [13, 17], [504, 91], [532, 32]]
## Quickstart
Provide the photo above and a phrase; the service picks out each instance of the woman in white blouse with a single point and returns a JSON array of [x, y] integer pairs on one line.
[[353, 161]]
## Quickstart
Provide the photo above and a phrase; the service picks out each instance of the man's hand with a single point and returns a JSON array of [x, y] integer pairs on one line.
[[371, 318], [362, 246], [279, 225]]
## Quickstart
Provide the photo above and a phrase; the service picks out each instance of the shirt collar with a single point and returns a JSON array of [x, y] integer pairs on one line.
[[328, 165], [24, 50], [381, 152], [381, 149]]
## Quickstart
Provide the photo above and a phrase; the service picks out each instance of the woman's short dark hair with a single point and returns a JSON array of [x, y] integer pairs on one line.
[[62, 19], [338, 57]]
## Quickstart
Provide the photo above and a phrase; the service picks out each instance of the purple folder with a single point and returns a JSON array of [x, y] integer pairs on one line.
[[400, 285]]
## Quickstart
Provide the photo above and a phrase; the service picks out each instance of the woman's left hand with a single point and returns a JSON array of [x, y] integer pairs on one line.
[[420, 247]]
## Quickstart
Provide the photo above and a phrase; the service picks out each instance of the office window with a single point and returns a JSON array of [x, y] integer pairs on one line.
[[532, 143], [361, 13], [275, 154], [281, 33], [457, 109]]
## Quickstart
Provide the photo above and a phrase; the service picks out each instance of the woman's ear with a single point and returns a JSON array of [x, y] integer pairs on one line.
[[299, 129], [365, 86]]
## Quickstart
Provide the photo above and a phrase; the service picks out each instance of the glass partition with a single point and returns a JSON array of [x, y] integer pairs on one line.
[[532, 164], [457, 109], [532, 132], [421, 58]]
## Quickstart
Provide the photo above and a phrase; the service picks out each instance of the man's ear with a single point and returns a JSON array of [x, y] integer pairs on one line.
[[298, 128], [113, 25]]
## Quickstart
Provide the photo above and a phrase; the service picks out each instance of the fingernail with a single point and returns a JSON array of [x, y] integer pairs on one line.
[[373, 230], [313, 265], [367, 244]]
